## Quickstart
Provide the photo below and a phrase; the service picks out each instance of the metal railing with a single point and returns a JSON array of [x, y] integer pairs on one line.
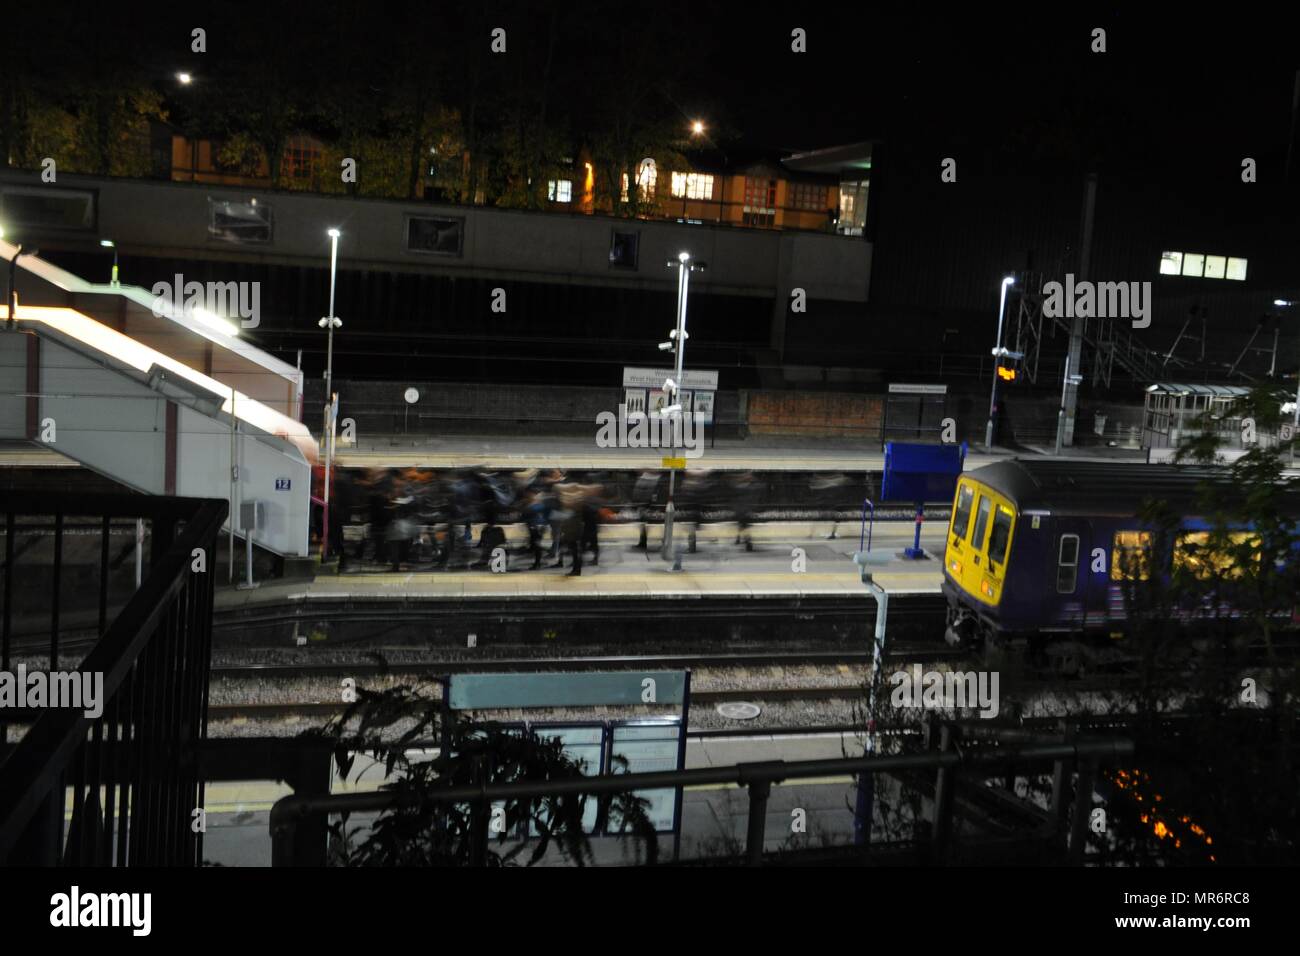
[[127, 779], [292, 812]]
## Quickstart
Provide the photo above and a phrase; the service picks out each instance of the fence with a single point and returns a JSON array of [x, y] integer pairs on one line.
[[132, 769], [292, 812]]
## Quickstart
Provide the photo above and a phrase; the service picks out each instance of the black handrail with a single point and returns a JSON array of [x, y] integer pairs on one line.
[[141, 750], [291, 811]]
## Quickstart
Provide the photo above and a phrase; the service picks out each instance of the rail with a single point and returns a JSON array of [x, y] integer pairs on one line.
[[131, 768], [292, 812]]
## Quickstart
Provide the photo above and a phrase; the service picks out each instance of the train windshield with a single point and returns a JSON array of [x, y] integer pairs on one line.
[[981, 523], [961, 518], [1001, 535]]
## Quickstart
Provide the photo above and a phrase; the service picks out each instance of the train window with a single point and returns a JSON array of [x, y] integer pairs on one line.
[[1206, 555], [1067, 564], [1130, 560], [961, 517], [981, 523], [1001, 535]]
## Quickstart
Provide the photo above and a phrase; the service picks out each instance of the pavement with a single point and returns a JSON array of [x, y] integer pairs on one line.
[[754, 454], [718, 569]]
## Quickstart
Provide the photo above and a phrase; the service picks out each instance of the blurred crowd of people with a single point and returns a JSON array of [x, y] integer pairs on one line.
[[419, 517], [423, 517]]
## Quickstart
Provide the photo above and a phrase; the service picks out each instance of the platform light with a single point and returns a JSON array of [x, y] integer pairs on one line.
[[214, 321], [697, 128], [109, 244], [184, 79]]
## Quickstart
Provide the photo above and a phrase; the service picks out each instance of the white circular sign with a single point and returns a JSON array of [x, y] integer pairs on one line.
[[412, 396], [738, 710]]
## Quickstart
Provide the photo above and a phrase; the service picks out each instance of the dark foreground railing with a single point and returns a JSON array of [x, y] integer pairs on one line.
[[131, 772], [1086, 755]]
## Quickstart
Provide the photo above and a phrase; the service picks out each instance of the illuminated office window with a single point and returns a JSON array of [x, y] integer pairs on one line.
[[1193, 263], [1171, 263], [1237, 269], [692, 186], [1215, 267], [559, 190]]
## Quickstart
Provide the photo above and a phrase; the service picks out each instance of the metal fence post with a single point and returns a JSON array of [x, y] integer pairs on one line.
[[759, 791], [944, 786], [1087, 780]]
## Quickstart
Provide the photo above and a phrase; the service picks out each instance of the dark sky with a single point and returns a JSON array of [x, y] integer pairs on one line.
[[1174, 81]]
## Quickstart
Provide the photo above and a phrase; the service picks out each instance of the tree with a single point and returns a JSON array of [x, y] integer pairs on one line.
[[1209, 598], [417, 832]]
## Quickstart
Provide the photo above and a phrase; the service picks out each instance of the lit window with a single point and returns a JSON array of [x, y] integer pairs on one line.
[[560, 190], [1237, 269], [1131, 558], [1215, 266], [1206, 556], [1171, 263], [622, 194], [647, 175], [692, 186], [1193, 263]]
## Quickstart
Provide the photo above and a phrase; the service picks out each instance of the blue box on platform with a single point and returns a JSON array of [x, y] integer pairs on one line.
[[921, 474]]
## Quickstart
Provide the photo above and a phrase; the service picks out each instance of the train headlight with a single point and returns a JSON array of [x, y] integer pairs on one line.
[[955, 567]]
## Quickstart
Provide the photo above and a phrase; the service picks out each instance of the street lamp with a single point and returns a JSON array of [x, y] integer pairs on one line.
[[184, 79], [329, 323], [998, 352], [673, 386], [109, 244]]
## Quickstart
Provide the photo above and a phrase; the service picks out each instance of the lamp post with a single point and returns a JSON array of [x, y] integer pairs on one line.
[[998, 352], [329, 323], [12, 321], [110, 244], [677, 343], [1295, 419]]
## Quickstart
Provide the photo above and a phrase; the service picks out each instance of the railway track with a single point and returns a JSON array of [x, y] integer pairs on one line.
[[582, 663]]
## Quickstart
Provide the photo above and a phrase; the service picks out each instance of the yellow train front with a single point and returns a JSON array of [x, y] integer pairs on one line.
[[1041, 546]]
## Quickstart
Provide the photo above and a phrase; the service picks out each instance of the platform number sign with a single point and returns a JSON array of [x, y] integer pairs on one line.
[[282, 484], [1288, 432]]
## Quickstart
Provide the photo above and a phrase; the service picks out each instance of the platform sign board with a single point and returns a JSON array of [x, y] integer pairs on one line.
[[594, 689], [584, 744], [915, 410], [921, 474], [649, 746], [646, 744], [643, 390]]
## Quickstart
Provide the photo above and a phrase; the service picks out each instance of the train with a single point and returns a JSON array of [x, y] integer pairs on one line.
[[1039, 551]]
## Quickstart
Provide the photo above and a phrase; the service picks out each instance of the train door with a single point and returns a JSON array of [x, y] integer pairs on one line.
[[1068, 571]]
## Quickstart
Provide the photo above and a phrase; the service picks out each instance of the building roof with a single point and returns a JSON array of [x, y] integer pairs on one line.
[[1221, 391]]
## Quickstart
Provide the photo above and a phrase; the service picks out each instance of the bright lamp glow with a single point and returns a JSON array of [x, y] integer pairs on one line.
[[214, 321], [106, 243], [184, 78], [683, 256], [333, 233], [697, 127]]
